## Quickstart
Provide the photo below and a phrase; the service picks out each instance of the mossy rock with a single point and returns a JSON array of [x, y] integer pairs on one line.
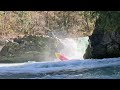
[[25, 57], [30, 48]]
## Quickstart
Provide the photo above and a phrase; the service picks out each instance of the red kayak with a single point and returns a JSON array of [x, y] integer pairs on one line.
[[61, 57]]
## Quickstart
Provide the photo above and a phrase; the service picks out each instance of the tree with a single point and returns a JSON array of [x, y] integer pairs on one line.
[[74, 23]]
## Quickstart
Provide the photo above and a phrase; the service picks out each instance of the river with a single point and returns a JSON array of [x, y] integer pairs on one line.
[[72, 69]]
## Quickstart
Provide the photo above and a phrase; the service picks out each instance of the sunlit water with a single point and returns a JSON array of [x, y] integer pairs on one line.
[[73, 69]]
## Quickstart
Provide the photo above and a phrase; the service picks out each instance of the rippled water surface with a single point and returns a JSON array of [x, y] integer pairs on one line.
[[73, 69]]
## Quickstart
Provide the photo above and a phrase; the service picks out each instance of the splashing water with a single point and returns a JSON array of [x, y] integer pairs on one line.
[[74, 48]]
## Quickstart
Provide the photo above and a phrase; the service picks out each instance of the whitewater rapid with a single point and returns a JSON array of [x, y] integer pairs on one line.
[[72, 69]]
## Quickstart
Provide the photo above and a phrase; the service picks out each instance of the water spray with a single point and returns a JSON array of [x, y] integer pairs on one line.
[[74, 48]]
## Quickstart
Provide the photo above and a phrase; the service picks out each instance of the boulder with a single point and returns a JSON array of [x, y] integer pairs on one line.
[[104, 45], [30, 48]]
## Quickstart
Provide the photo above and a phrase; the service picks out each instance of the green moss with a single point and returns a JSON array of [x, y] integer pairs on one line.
[[108, 20], [27, 56]]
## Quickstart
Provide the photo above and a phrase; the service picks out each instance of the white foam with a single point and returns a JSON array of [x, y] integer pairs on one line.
[[56, 66]]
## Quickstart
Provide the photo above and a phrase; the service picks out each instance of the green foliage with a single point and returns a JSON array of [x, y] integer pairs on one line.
[[108, 20], [40, 22]]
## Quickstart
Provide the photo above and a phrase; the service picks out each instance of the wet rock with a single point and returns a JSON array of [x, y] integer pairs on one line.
[[104, 45], [30, 48]]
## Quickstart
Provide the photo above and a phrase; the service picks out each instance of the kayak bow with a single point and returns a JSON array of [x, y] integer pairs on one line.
[[61, 57]]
